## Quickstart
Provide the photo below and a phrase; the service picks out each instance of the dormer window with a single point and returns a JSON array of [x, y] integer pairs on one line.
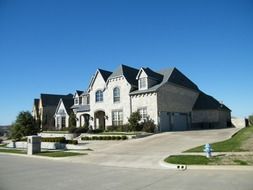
[[76, 101], [142, 83], [99, 96]]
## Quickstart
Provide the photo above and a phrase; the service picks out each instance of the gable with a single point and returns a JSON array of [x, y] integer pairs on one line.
[[97, 81], [60, 108]]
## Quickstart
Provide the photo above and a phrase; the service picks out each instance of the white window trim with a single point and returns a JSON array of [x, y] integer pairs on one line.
[[118, 121], [144, 115], [96, 96], [118, 101], [141, 87]]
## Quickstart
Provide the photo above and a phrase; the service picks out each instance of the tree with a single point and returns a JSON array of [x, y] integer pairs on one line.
[[134, 120], [149, 125], [251, 119], [24, 125], [72, 120]]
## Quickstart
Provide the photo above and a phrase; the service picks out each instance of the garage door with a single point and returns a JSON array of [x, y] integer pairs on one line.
[[179, 122]]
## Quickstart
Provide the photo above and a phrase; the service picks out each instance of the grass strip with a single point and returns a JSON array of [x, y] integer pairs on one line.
[[234, 144], [59, 153]]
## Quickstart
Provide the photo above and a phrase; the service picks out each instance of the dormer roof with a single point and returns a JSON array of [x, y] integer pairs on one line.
[[128, 72], [150, 73], [171, 75]]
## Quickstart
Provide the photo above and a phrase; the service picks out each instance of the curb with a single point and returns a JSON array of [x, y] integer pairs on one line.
[[204, 167]]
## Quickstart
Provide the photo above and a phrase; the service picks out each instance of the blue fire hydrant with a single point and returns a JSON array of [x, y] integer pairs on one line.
[[208, 150]]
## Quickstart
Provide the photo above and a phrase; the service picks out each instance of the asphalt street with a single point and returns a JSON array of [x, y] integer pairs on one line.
[[27, 173]]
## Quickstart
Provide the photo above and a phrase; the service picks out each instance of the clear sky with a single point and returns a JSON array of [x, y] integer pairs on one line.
[[54, 46]]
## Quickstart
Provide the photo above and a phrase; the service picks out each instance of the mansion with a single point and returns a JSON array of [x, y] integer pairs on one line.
[[167, 96]]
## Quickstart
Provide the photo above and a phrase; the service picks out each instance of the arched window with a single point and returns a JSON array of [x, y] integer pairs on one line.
[[99, 96], [116, 94]]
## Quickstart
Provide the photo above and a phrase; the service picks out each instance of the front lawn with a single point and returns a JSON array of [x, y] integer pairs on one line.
[[16, 151], [234, 144], [59, 153], [188, 160], [56, 132], [44, 153]]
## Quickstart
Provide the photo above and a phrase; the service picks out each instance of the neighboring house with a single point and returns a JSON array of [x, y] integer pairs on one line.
[[46, 109], [167, 96], [35, 110], [62, 113]]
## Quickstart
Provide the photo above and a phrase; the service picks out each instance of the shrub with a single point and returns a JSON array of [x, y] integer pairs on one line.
[[82, 130], [112, 128], [120, 128], [95, 131], [251, 120], [86, 138], [75, 142], [124, 137], [134, 120], [54, 139], [72, 129], [1, 140], [118, 137], [149, 125]]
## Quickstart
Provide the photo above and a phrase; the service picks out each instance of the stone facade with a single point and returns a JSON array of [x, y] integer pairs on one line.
[[168, 97]]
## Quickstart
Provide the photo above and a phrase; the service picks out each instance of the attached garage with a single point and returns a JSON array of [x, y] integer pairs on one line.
[[170, 121]]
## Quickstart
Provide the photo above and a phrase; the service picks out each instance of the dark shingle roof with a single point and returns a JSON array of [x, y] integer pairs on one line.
[[180, 79], [129, 73], [68, 103], [153, 74], [105, 74], [79, 92], [172, 75], [206, 102], [53, 99]]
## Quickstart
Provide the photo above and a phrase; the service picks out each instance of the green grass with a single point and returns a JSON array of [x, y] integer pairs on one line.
[[190, 159], [3, 145], [56, 132], [120, 133], [233, 144], [241, 162], [16, 151], [44, 153], [59, 153]]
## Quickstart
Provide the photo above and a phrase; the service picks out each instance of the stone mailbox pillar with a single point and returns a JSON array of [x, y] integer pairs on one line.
[[33, 144]]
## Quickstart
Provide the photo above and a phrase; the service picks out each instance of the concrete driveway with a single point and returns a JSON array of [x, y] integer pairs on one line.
[[149, 151]]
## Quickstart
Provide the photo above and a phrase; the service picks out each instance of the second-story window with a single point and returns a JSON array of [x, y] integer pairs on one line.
[[143, 83], [99, 96], [116, 94], [88, 99], [76, 101]]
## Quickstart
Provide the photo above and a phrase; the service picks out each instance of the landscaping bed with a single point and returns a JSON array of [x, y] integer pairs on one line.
[[215, 160]]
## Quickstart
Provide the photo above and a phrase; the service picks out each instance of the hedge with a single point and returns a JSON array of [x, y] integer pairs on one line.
[[105, 137], [55, 139]]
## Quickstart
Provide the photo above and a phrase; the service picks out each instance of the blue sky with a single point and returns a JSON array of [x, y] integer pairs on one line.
[[54, 46]]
